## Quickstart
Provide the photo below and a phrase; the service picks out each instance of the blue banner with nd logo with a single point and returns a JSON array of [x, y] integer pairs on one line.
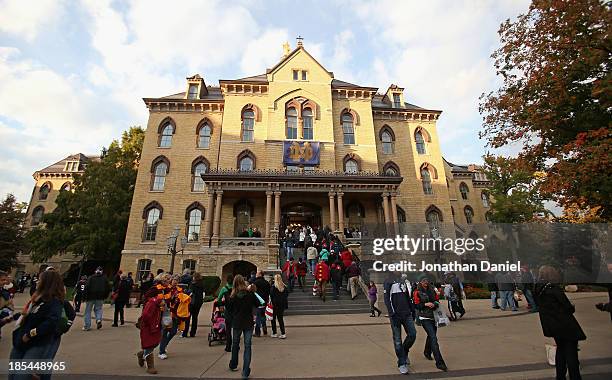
[[301, 153]]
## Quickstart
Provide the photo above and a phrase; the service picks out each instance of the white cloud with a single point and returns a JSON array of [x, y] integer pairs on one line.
[[50, 117], [263, 52], [25, 18]]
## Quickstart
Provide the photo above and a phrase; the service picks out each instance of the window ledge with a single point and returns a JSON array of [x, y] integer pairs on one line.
[[156, 191], [164, 147], [148, 243], [200, 148]]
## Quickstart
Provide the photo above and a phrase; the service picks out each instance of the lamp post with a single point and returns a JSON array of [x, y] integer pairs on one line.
[[172, 245]]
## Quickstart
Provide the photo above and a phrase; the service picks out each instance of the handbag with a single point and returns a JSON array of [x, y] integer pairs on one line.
[[441, 318], [166, 319], [551, 351], [269, 311]]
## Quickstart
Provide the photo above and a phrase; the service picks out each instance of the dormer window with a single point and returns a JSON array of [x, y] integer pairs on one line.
[[193, 91], [300, 74], [71, 166], [397, 101]]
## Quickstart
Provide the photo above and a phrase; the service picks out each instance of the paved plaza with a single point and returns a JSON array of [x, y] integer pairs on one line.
[[486, 344]]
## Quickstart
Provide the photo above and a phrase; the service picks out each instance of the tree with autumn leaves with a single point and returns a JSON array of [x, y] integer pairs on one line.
[[556, 102]]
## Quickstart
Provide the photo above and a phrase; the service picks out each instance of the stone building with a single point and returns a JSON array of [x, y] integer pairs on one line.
[[291, 146], [48, 184]]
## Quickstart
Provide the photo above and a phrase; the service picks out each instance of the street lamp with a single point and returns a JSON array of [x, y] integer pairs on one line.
[[172, 245]]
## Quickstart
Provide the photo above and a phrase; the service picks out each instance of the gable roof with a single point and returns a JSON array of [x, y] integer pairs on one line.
[[291, 55]]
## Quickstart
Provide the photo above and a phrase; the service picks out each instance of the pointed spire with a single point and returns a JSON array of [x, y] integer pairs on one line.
[[300, 41]]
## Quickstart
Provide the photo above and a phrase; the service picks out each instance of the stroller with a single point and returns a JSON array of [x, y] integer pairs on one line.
[[218, 328], [452, 298]]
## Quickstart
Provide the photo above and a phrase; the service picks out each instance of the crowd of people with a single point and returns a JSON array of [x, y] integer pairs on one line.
[[508, 288]]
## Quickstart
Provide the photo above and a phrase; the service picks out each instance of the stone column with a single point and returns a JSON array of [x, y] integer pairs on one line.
[[217, 221], [208, 217], [332, 211], [277, 210], [268, 213], [394, 213], [387, 212], [340, 214]]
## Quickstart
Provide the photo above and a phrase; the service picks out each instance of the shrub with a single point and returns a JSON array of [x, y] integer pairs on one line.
[[476, 293], [211, 284]]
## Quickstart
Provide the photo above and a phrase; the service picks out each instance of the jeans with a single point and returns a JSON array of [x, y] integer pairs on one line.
[[301, 281], [373, 307], [260, 321], [494, 298], [431, 343], [194, 311], [402, 348], [167, 335], [228, 334], [246, 357], [278, 314], [291, 282], [530, 300], [566, 359], [97, 306], [119, 306], [322, 286], [31, 353], [50, 355], [507, 299], [312, 263], [289, 252]]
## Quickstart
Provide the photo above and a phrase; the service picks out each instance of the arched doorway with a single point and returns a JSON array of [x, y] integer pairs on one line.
[[240, 267], [300, 213]]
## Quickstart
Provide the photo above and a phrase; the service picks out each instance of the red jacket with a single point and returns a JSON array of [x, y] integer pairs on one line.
[[302, 268], [150, 320], [290, 269], [322, 271], [346, 258]]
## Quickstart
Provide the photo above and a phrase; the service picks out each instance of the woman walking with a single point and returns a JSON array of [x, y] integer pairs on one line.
[[149, 324], [123, 296], [145, 284], [558, 322], [372, 297], [34, 337], [169, 331], [279, 296], [426, 301], [242, 300]]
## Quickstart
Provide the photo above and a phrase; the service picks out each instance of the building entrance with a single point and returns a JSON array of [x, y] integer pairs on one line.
[[300, 214]]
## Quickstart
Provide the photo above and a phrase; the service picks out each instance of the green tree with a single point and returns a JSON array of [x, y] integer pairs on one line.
[[513, 190], [92, 221], [556, 98], [12, 217]]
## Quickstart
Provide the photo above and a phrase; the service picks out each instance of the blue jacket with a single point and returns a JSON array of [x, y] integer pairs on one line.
[[44, 317], [398, 299]]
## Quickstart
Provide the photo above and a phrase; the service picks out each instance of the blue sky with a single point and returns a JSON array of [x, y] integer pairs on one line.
[[73, 73]]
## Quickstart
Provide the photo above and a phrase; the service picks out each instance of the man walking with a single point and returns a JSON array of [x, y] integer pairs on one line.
[[506, 290], [492, 285], [263, 290], [354, 280], [96, 291], [401, 314]]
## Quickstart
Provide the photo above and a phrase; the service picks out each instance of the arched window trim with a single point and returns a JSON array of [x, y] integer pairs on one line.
[[434, 208], [251, 107], [243, 154], [424, 133], [388, 129], [354, 157], [430, 168], [462, 186], [485, 199], [195, 205], [47, 184], [355, 115], [157, 161], [469, 209], [42, 214], [294, 103], [298, 116], [201, 124], [166, 120], [393, 165], [69, 184], [149, 206], [199, 160], [243, 201], [314, 107]]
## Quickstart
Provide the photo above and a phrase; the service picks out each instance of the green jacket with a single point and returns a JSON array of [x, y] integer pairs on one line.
[[227, 288]]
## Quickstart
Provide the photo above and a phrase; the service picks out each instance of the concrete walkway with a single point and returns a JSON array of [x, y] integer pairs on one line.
[[487, 344]]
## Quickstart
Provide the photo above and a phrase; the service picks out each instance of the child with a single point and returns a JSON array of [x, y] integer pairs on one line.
[[372, 296]]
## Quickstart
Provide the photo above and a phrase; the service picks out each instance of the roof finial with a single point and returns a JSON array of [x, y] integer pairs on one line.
[[300, 41], [286, 49]]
